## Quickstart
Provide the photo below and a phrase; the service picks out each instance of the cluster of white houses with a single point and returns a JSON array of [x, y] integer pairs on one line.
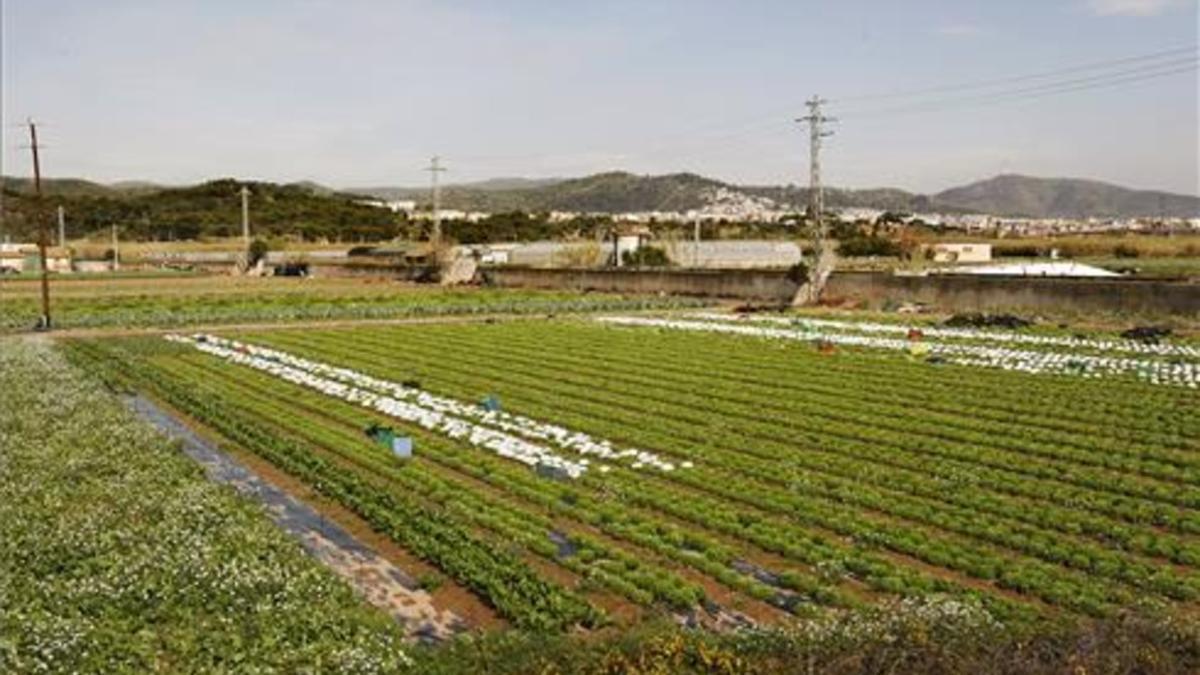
[[733, 206]]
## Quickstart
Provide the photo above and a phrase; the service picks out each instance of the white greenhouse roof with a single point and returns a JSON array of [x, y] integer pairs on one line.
[[1049, 269]]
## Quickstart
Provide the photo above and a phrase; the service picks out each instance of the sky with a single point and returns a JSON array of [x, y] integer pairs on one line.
[[928, 94]]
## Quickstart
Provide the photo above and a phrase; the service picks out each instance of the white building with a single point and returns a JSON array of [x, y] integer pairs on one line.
[[26, 258]]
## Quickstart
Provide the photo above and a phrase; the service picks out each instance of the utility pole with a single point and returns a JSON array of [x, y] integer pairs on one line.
[[62, 228], [696, 244], [435, 167], [246, 218], [822, 263], [43, 234], [116, 247]]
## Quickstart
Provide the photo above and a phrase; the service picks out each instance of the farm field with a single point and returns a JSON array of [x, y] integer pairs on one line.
[[182, 300], [117, 555], [645, 467]]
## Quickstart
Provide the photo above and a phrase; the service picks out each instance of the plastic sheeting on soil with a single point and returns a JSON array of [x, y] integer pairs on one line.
[[508, 435], [1175, 372]]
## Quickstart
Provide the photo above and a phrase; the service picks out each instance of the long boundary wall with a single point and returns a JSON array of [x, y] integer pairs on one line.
[[761, 285], [949, 292]]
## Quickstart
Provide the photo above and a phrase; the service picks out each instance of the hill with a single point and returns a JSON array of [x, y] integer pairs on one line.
[[1015, 195], [60, 187], [463, 192], [617, 191], [208, 209]]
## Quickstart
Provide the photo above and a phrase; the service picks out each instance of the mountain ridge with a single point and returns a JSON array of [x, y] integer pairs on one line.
[[1020, 195], [1013, 195]]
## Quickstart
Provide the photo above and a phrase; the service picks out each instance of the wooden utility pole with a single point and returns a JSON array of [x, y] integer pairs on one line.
[[43, 228], [116, 248]]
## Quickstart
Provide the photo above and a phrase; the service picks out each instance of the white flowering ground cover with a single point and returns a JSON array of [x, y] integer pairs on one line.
[[117, 555], [1176, 371], [496, 431]]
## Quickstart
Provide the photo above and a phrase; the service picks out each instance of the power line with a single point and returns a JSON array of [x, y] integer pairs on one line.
[[981, 84], [1105, 73], [736, 133], [1066, 86]]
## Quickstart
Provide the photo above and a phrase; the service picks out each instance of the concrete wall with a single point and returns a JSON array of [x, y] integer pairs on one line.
[[953, 293], [710, 254], [761, 285], [979, 293], [730, 254]]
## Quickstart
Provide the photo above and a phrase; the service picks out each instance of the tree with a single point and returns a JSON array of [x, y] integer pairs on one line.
[[646, 256], [257, 251]]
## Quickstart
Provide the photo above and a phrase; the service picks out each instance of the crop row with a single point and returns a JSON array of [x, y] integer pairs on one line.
[[612, 568], [913, 546], [1183, 374], [828, 437], [621, 520], [500, 578], [1072, 342], [1172, 466], [1131, 412], [330, 425], [152, 310]]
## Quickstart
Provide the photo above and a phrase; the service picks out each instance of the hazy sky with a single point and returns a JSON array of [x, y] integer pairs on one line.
[[356, 93]]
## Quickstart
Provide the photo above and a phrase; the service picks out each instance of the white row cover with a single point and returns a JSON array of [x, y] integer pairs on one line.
[[1111, 345], [492, 430], [1081, 365]]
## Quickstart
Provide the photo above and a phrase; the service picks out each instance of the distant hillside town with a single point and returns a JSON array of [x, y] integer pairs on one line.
[[726, 205]]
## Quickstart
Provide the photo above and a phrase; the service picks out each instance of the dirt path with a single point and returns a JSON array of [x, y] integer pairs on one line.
[[377, 579]]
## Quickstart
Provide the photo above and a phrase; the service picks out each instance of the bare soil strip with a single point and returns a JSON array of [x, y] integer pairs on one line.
[[382, 583]]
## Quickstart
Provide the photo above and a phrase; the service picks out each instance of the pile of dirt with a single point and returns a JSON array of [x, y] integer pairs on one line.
[[981, 320]]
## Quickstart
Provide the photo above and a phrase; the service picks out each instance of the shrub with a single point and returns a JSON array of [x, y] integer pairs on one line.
[[798, 273], [1018, 251], [867, 246], [1126, 251], [646, 256], [257, 251]]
